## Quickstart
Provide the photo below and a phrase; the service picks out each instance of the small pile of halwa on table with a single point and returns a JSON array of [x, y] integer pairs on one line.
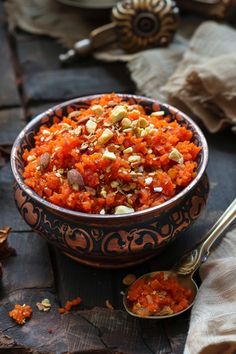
[[111, 158]]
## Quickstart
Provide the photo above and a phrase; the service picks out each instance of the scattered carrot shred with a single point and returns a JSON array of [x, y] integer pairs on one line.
[[158, 295], [20, 313], [69, 304]]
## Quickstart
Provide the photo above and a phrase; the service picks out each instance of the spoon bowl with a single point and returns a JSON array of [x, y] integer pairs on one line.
[[184, 281], [183, 271]]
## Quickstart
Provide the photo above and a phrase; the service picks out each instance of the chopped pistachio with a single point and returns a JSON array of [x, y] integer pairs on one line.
[[175, 155], [134, 158], [109, 155], [118, 113], [91, 126], [103, 193], [105, 137], [123, 209], [114, 184], [97, 109], [158, 114], [128, 150], [126, 123]]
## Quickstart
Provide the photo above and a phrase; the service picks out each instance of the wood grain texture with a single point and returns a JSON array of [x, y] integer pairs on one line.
[[45, 80], [31, 268], [11, 123], [9, 214], [9, 96]]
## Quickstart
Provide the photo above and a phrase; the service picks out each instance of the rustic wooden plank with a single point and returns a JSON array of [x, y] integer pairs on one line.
[[115, 329], [31, 268], [9, 96], [64, 84], [80, 331], [176, 329], [11, 123], [9, 215], [94, 286], [36, 332], [45, 80]]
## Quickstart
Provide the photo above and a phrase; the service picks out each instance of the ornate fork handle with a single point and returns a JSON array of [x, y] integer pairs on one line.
[[190, 262]]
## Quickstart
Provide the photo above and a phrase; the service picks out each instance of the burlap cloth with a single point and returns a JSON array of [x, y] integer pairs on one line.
[[213, 318]]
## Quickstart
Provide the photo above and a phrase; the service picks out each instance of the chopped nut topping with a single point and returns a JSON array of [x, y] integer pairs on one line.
[[97, 109], [109, 305], [46, 132], [126, 123], [157, 114], [105, 137], [175, 155], [114, 184], [44, 160], [109, 155], [103, 193], [123, 209], [143, 123], [74, 114], [129, 279], [77, 131], [118, 113], [148, 181], [91, 126], [31, 158], [158, 189], [84, 146], [44, 305], [75, 179], [134, 158], [128, 150]]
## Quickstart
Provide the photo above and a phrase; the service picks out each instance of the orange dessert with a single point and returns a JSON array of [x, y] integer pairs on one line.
[[158, 295], [111, 158]]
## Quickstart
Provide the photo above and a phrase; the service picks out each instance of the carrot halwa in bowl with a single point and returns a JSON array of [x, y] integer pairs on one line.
[[110, 179]]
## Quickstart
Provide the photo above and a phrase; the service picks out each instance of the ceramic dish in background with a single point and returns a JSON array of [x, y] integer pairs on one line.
[[110, 241]]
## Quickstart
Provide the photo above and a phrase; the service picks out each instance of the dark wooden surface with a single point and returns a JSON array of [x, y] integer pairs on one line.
[[31, 81]]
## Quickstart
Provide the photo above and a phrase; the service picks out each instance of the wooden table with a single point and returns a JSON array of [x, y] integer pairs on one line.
[[31, 80]]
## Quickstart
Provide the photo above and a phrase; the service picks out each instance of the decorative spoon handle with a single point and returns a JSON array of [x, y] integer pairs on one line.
[[192, 260]]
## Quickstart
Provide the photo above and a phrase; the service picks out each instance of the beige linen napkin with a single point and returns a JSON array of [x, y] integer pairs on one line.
[[204, 84], [213, 319]]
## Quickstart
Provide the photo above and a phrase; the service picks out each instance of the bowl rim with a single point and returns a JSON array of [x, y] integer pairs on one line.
[[111, 217]]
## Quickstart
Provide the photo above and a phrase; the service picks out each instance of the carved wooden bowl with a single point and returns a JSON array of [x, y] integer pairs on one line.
[[109, 241]]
